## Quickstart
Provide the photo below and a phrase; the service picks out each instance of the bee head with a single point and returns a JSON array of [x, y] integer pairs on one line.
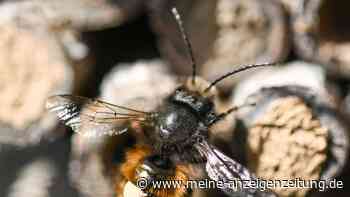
[[154, 167]]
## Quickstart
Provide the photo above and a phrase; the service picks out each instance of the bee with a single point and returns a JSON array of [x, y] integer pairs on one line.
[[175, 135]]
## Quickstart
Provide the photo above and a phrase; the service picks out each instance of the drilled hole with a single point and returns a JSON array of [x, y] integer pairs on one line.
[[335, 21]]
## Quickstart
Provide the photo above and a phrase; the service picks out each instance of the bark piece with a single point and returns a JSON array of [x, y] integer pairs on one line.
[[294, 131], [322, 33], [223, 33]]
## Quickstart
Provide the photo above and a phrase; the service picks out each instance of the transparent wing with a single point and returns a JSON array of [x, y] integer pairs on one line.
[[82, 114], [234, 176]]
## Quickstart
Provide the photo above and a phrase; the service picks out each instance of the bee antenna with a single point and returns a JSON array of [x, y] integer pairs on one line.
[[237, 70], [231, 110], [187, 42]]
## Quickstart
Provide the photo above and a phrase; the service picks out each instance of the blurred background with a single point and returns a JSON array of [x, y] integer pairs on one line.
[[107, 48]]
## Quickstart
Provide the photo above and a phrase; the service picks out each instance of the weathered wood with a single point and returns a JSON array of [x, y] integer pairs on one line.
[[295, 129]]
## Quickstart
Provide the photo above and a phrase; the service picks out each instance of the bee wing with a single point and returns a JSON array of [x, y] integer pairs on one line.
[[81, 113], [220, 167]]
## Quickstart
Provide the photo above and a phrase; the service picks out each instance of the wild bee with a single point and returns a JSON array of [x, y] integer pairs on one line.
[[175, 134]]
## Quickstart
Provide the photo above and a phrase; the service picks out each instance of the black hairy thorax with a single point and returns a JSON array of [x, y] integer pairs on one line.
[[182, 120]]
